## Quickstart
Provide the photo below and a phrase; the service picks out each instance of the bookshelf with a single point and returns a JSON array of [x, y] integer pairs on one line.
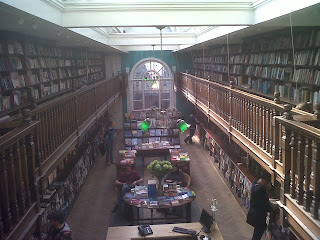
[[163, 129], [264, 63], [35, 69]]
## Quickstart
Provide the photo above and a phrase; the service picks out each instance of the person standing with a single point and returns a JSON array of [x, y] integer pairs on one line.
[[192, 129], [259, 208], [59, 230], [110, 134]]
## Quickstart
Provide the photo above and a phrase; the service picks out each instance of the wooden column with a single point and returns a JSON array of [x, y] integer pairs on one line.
[[268, 130], [271, 131], [19, 181], [316, 179], [293, 147], [260, 126], [307, 181], [285, 148], [256, 123], [12, 185], [300, 168], [264, 128], [25, 173], [4, 189]]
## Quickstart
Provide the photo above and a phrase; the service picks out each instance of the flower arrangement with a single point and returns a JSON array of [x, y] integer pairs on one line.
[[159, 169]]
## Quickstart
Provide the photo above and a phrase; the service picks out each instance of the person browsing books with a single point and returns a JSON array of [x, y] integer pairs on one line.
[[59, 230], [176, 176], [110, 134], [193, 123], [126, 180]]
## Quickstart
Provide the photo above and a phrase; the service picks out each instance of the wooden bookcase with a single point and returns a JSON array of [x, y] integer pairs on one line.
[[263, 64], [35, 70]]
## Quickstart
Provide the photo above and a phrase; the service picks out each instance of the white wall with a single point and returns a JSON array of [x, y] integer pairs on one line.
[[113, 65]]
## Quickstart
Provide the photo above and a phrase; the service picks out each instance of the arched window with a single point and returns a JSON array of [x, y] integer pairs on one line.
[[150, 84]]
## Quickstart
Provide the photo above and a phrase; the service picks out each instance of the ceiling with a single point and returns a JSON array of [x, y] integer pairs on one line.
[[119, 39]]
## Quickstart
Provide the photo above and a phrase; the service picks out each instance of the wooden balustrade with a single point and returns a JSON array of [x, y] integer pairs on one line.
[[28, 152], [292, 145], [301, 162]]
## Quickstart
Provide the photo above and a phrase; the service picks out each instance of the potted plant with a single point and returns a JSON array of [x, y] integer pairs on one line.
[[159, 169]]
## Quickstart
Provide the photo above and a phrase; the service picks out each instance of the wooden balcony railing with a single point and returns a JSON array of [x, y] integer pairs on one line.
[[289, 147], [29, 152]]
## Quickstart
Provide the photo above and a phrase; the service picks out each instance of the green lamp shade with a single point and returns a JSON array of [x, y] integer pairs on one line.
[[183, 125], [144, 126], [145, 78]]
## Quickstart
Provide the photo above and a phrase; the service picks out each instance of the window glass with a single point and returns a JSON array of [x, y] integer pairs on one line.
[[151, 98], [137, 105], [165, 95], [165, 85], [137, 95], [137, 85], [165, 104]]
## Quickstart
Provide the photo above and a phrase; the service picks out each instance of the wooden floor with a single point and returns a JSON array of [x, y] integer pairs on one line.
[[91, 215]]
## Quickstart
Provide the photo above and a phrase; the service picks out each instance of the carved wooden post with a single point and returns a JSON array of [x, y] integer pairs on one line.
[[276, 97], [260, 125], [25, 175], [307, 173], [255, 122], [31, 166], [264, 128], [285, 147], [300, 168], [293, 146], [6, 213], [268, 130], [316, 179], [19, 182], [12, 185]]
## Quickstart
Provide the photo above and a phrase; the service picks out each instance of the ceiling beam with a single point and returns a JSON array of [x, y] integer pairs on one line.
[[158, 14]]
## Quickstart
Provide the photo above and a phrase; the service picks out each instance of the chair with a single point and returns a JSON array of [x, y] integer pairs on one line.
[[187, 179]]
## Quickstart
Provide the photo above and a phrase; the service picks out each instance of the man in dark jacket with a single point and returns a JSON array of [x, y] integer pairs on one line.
[[59, 230], [193, 123], [259, 207]]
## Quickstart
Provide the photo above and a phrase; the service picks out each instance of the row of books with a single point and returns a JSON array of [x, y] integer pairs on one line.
[[238, 181], [14, 99], [267, 44], [95, 62], [267, 58], [204, 66], [10, 63], [202, 59], [279, 73], [309, 57], [306, 75], [150, 140], [152, 132], [264, 86], [179, 155], [159, 144]]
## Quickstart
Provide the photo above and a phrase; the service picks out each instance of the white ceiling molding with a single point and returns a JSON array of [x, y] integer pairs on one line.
[[206, 30], [259, 3], [155, 5], [55, 3]]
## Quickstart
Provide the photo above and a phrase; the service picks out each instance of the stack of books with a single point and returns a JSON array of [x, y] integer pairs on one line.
[[141, 192]]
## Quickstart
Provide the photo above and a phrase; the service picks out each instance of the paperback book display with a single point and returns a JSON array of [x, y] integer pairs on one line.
[[163, 130], [174, 196], [180, 157]]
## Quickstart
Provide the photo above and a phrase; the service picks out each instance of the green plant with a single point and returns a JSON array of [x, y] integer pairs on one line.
[[159, 168]]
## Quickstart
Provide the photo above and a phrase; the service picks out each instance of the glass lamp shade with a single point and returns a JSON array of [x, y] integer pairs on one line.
[[144, 126], [182, 125]]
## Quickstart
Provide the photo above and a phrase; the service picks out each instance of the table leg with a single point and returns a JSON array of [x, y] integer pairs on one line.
[[188, 212], [138, 215], [131, 215], [151, 215]]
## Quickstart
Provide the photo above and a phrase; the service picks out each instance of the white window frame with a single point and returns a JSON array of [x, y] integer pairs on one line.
[[131, 79]]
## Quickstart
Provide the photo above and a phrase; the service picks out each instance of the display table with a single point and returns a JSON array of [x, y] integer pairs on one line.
[[163, 231]]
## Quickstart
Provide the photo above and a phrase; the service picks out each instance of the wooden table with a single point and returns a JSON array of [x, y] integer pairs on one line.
[[151, 152], [163, 231], [186, 203]]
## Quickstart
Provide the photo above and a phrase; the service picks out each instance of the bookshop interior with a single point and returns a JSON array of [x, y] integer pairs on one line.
[[159, 119]]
